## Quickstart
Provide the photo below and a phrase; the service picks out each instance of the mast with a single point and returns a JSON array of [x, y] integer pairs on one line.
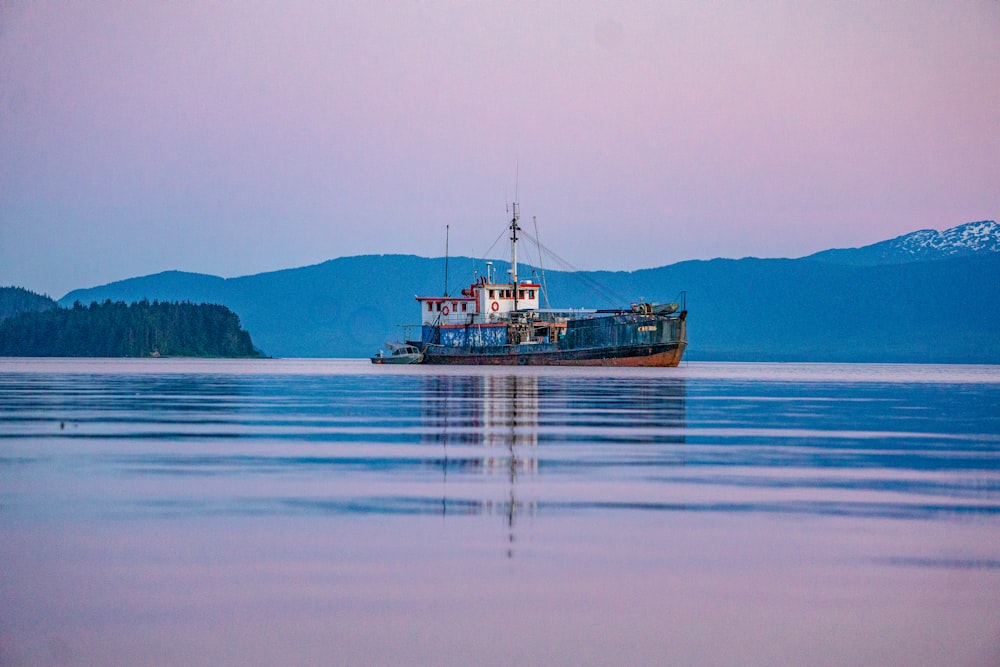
[[513, 251], [447, 228]]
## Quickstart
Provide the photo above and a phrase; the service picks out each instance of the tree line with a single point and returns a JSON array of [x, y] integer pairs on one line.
[[116, 329], [17, 300]]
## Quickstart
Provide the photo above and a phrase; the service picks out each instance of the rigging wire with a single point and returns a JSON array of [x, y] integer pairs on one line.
[[473, 270], [592, 284], [545, 287], [493, 245]]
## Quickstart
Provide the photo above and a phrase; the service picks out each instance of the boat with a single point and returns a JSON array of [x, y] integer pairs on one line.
[[501, 323], [398, 353]]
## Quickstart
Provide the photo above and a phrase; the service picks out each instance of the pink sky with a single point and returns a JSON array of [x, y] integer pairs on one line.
[[232, 139]]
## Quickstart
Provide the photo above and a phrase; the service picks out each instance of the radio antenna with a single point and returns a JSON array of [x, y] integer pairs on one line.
[[517, 169]]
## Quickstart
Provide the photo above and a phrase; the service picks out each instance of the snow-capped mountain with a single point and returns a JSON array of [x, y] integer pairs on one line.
[[972, 238]]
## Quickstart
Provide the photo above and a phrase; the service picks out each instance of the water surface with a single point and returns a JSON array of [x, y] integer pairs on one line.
[[329, 511]]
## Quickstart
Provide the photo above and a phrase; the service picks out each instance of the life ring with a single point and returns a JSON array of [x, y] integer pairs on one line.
[[495, 306], [445, 311]]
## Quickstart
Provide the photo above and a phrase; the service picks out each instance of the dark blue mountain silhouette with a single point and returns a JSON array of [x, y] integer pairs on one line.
[[828, 307]]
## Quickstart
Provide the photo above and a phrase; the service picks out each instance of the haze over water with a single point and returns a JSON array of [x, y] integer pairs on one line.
[[330, 512]]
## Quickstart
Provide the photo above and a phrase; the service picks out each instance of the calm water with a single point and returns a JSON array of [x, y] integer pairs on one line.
[[165, 512]]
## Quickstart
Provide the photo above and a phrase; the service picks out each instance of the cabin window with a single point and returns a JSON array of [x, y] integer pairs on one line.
[[531, 294], [454, 306], [465, 307], [520, 294], [492, 293], [509, 293], [430, 307], [438, 304]]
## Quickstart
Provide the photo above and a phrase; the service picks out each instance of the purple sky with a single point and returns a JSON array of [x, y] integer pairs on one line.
[[231, 139]]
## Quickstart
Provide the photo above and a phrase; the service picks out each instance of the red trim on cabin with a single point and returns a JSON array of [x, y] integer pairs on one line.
[[442, 299], [478, 325]]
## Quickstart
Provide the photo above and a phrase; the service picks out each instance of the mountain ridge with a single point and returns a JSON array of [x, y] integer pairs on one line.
[[922, 245]]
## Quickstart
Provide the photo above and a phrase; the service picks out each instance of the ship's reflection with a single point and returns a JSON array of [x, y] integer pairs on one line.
[[492, 411], [498, 431]]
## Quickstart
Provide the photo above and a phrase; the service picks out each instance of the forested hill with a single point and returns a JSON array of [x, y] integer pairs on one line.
[[17, 300], [114, 329]]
